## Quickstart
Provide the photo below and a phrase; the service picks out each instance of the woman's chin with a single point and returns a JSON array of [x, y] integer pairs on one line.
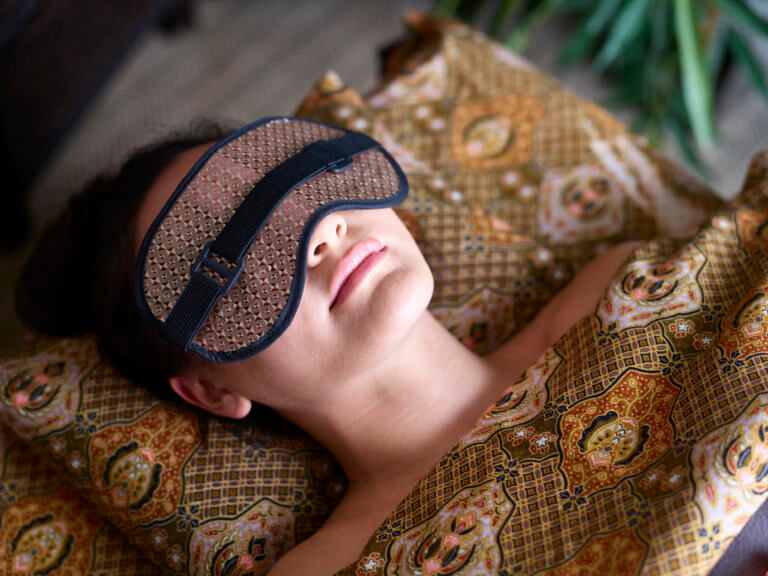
[[395, 305]]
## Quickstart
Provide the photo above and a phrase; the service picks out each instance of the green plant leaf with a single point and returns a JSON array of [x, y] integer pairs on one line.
[[579, 44], [587, 35], [628, 24], [534, 15], [605, 11], [577, 5], [697, 88], [746, 60], [660, 30], [742, 13], [716, 52], [502, 15], [447, 8]]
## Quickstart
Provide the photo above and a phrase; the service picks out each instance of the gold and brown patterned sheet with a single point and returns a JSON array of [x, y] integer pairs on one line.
[[515, 184], [637, 444]]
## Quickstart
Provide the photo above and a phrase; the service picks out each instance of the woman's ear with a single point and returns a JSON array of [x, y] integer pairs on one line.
[[205, 394]]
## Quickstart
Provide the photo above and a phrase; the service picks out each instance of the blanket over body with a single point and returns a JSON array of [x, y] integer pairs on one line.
[[638, 443]]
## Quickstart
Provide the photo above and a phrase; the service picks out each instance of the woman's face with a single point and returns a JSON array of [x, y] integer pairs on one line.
[[324, 345]]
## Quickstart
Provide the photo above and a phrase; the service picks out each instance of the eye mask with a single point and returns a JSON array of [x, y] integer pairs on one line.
[[221, 270]]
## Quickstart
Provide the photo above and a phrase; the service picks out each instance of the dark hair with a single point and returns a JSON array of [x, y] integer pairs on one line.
[[79, 277]]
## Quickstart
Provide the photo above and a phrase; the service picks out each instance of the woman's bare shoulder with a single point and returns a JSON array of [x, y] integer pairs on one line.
[[323, 554], [339, 541]]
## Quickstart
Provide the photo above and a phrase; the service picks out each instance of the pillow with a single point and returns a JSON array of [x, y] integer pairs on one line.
[[638, 443], [515, 184], [194, 492], [47, 528]]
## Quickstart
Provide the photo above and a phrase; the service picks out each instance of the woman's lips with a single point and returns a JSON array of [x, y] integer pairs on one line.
[[371, 253]]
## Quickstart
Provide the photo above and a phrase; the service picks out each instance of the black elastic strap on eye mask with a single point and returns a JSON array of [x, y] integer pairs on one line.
[[202, 291]]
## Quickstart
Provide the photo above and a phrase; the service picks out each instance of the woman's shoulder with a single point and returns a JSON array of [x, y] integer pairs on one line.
[[323, 554], [340, 540]]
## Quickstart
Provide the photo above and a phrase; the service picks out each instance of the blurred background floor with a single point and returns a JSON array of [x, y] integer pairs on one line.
[[244, 59]]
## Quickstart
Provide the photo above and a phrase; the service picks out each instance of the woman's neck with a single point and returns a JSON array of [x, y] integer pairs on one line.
[[410, 410]]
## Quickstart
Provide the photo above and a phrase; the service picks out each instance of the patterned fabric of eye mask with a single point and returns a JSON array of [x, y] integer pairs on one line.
[[221, 270]]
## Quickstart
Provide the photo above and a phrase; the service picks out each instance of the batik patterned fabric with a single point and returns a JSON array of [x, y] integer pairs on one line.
[[642, 430], [515, 183], [49, 528], [94, 459], [637, 444]]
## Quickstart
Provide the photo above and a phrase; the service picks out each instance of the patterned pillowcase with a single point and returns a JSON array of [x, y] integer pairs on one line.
[[195, 493], [515, 184], [47, 527]]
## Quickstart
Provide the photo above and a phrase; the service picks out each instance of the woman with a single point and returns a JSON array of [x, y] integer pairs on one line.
[[355, 368]]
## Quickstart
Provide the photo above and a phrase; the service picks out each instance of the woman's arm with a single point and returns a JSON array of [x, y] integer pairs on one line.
[[571, 304], [343, 536], [580, 297]]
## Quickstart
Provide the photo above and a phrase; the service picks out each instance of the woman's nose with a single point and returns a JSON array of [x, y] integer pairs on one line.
[[327, 238]]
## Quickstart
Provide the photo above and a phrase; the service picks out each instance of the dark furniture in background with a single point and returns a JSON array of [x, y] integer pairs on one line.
[[55, 55]]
